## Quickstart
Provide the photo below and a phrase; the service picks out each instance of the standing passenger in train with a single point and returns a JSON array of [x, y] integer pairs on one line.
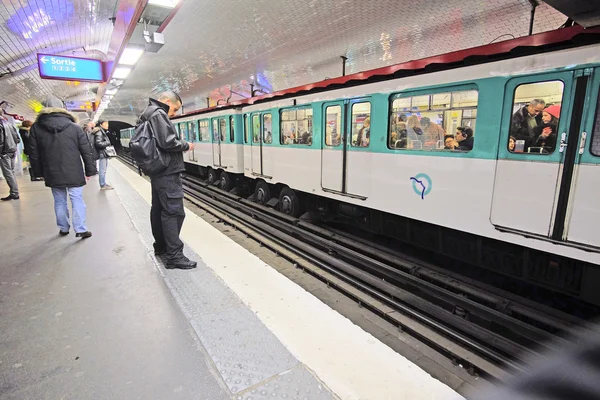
[[546, 133], [464, 137], [167, 212], [56, 147], [432, 133], [101, 142], [364, 134], [525, 121]]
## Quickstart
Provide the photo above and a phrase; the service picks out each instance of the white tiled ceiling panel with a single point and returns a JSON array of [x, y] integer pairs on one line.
[[68, 27], [210, 45]]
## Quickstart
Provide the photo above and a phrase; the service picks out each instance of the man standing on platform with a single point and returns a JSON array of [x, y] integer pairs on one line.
[[167, 212], [9, 139], [56, 147]]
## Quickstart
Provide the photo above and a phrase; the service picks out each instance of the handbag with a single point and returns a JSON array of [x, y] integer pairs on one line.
[[110, 151]]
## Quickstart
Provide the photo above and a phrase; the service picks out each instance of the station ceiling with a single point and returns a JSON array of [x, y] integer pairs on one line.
[[217, 48]]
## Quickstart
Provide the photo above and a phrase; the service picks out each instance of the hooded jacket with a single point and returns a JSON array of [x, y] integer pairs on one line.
[[9, 138], [56, 147], [166, 136]]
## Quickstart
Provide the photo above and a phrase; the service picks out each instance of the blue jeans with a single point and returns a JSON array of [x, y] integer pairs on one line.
[[103, 162], [61, 209]]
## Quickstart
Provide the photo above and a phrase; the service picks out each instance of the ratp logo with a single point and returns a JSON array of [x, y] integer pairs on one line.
[[421, 184]]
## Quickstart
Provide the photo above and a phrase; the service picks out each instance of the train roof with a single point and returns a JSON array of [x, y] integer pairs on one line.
[[527, 45]]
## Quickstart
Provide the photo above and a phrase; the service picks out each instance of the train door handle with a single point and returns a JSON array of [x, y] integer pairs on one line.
[[563, 142], [582, 142]]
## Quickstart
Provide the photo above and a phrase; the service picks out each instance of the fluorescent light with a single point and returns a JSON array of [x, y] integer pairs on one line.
[[121, 72], [164, 3], [130, 55]]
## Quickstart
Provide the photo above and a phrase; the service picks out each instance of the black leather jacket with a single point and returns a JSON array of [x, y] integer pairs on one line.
[[101, 142], [166, 135]]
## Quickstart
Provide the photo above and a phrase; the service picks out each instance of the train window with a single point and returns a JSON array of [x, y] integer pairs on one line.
[[255, 128], [192, 133], [333, 125], [267, 129], [245, 128], [231, 130], [441, 121], [204, 131], [222, 129], [535, 118], [296, 126], [361, 124], [184, 131], [595, 145]]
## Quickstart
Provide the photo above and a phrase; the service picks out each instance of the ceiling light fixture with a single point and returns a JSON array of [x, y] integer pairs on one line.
[[121, 72], [131, 55], [164, 3]]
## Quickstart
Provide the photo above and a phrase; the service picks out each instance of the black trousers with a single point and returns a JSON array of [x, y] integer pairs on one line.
[[167, 215]]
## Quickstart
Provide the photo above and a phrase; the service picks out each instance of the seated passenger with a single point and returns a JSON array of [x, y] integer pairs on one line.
[[306, 137], [450, 143], [525, 120], [512, 142], [432, 132], [546, 133], [464, 137], [335, 139]]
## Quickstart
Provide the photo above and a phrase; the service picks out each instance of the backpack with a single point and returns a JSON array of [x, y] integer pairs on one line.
[[145, 152]]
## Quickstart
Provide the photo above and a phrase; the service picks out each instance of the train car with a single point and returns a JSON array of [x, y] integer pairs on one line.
[[450, 160], [218, 151], [126, 135]]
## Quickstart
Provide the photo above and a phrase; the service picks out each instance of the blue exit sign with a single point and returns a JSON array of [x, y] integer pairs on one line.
[[70, 68]]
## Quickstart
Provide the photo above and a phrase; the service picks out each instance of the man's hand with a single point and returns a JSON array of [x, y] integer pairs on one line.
[[191, 146]]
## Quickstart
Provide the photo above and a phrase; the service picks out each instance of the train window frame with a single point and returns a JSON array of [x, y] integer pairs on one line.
[[354, 125], [440, 145], [199, 124], [245, 128], [341, 122], [596, 130], [264, 127], [301, 110], [512, 114], [231, 129]]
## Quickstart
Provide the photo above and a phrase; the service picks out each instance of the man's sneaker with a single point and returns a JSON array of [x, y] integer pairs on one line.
[[182, 263], [84, 235], [107, 187], [10, 197], [63, 233]]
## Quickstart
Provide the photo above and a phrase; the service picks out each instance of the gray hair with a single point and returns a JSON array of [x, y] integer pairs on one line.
[[536, 102], [170, 95], [53, 102]]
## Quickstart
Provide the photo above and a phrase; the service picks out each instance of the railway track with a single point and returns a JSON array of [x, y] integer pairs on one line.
[[487, 331]]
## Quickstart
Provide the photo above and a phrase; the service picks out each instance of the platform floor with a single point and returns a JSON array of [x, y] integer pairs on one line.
[[102, 318]]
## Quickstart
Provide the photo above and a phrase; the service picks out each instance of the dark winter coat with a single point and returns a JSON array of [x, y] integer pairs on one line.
[[167, 138], [25, 139], [90, 137], [467, 144], [520, 129], [56, 147], [550, 142], [101, 142], [9, 139]]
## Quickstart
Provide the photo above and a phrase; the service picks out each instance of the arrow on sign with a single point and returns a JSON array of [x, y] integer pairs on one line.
[[44, 60]]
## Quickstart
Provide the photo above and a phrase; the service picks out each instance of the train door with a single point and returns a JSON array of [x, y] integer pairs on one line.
[[256, 144], [345, 146], [538, 153], [583, 213], [182, 129], [217, 137], [192, 128]]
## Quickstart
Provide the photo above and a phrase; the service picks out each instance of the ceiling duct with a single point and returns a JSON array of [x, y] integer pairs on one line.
[[155, 15], [584, 12]]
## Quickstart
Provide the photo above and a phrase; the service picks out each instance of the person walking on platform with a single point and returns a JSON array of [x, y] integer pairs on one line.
[[56, 147], [9, 139], [167, 212], [101, 142]]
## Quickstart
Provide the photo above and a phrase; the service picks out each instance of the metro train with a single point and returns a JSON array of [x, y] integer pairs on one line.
[[383, 153]]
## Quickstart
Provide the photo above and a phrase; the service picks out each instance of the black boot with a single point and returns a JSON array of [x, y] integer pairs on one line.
[[181, 263], [84, 235]]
